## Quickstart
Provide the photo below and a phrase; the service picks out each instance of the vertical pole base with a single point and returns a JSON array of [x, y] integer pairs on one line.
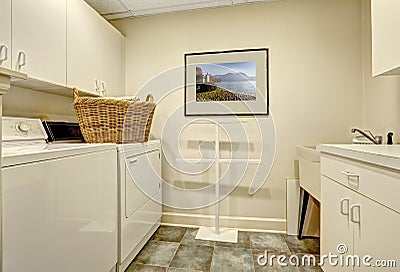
[[225, 235]]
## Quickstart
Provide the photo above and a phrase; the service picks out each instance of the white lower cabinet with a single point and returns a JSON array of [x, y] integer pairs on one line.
[[377, 233], [336, 228], [356, 222]]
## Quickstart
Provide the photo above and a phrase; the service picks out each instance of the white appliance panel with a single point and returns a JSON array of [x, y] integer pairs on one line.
[[142, 180], [55, 210], [138, 224]]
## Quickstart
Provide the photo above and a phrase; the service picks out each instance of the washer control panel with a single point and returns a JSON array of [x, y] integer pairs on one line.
[[15, 128]]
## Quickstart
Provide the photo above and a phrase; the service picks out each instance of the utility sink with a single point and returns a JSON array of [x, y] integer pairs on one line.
[[310, 170], [309, 153]]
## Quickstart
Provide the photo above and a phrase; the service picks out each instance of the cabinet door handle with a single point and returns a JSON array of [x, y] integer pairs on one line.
[[21, 61], [342, 209], [96, 86], [103, 85], [3, 57], [132, 161], [353, 218]]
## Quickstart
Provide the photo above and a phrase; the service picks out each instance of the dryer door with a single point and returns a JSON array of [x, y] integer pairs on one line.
[[142, 180]]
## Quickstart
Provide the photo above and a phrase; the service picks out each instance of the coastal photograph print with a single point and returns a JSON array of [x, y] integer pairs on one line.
[[231, 82]]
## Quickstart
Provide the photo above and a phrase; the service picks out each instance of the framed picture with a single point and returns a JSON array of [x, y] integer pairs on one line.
[[225, 83]]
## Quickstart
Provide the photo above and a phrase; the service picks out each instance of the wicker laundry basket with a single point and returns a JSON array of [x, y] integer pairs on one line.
[[111, 120]]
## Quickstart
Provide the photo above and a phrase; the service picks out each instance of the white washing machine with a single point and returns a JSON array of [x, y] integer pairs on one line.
[[139, 175], [59, 202]]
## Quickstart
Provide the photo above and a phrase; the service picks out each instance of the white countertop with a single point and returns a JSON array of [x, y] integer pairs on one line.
[[383, 155]]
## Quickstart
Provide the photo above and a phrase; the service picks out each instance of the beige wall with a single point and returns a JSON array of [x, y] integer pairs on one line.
[[381, 102], [27, 103], [315, 77]]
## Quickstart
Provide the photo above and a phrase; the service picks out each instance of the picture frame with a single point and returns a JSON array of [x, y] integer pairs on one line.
[[223, 83]]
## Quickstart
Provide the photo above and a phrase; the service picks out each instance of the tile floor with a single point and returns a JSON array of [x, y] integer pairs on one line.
[[174, 249]]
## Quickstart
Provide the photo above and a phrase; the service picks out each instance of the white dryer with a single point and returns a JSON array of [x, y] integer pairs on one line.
[[139, 175], [59, 202]]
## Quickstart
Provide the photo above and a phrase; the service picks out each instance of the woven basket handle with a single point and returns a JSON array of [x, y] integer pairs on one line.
[[149, 98], [76, 94]]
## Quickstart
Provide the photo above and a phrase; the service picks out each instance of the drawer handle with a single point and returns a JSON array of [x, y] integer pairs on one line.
[[132, 161], [352, 178], [350, 174], [352, 213], [342, 202]]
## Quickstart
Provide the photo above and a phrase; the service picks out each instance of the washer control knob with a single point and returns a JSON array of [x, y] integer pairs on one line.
[[23, 127]]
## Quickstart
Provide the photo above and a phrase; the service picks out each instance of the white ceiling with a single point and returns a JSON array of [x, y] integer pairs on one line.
[[117, 9]]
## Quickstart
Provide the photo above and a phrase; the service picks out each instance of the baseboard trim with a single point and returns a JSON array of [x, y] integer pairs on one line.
[[256, 224]]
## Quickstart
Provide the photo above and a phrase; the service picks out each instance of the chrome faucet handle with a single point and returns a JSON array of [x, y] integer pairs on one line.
[[370, 133]]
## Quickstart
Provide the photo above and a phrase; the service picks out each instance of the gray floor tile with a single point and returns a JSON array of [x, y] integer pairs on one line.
[[272, 265], [273, 242], [243, 241], [311, 269], [157, 253], [305, 245], [309, 264], [232, 259], [171, 269], [145, 268], [189, 238], [194, 257], [169, 234]]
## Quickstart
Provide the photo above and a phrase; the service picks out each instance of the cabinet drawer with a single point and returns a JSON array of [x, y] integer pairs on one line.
[[377, 183]]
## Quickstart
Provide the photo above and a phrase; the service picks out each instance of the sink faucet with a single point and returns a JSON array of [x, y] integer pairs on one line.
[[371, 137]]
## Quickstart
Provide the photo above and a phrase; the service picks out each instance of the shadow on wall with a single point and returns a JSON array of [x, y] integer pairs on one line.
[[21, 102]]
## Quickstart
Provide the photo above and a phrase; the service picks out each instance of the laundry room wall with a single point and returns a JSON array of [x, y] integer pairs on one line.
[[315, 87], [22, 102]]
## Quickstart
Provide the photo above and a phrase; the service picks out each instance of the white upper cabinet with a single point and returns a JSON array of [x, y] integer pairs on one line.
[[111, 50], [39, 39], [93, 50], [385, 37], [5, 33]]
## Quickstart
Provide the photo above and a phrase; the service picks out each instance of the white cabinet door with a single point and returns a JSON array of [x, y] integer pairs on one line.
[[111, 56], [39, 39], [84, 36], [5, 34], [377, 233], [385, 37], [335, 224], [94, 50]]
